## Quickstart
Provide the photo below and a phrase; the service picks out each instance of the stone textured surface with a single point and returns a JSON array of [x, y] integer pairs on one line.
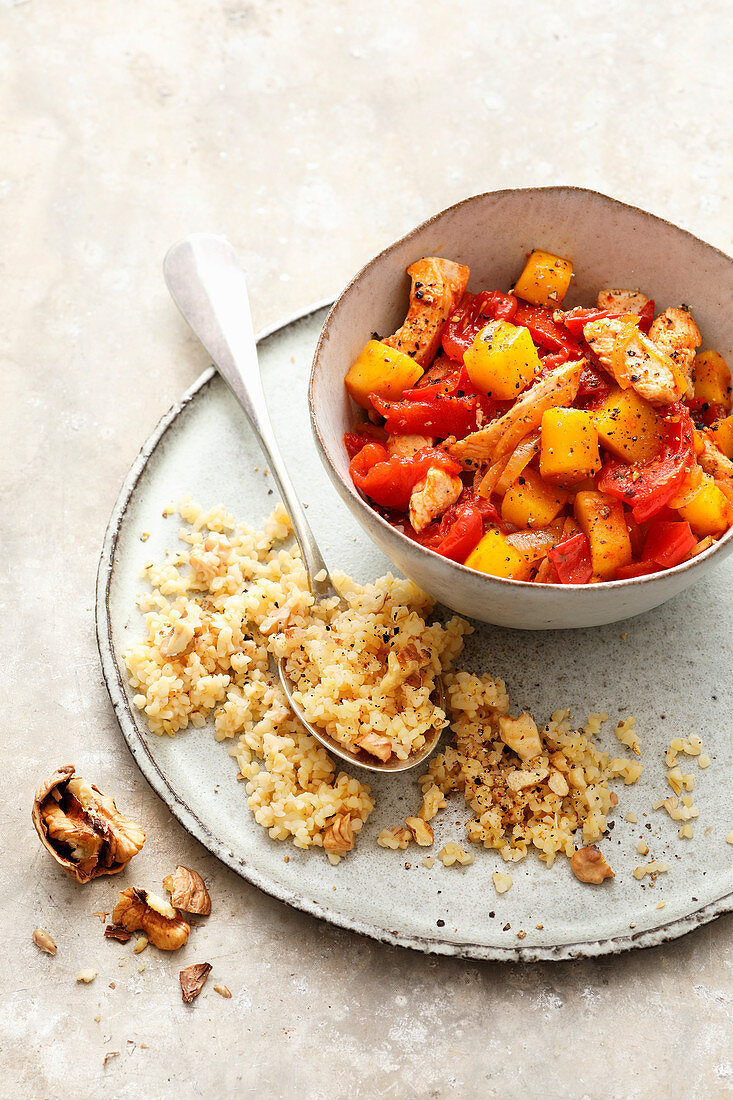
[[312, 134]]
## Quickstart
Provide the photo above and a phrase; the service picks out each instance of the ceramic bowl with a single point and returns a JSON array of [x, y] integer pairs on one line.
[[611, 244]]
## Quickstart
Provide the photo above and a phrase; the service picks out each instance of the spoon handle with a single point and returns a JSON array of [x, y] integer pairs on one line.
[[207, 284]]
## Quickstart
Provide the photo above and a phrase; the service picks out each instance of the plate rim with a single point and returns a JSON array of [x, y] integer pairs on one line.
[[201, 832]]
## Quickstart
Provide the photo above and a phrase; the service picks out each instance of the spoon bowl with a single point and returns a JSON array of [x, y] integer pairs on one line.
[[207, 284]]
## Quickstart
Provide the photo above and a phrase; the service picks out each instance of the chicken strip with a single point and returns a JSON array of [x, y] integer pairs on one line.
[[675, 333], [500, 437], [407, 445], [632, 358], [621, 301], [432, 496], [713, 461], [437, 288]]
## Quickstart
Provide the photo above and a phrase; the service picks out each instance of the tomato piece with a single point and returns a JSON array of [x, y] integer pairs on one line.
[[646, 316], [703, 413], [636, 569], [574, 319], [447, 385], [544, 331], [572, 560], [464, 533], [444, 416], [552, 360], [594, 388], [649, 487], [389, 481], [668, 544], [473, 312], [363, 434]]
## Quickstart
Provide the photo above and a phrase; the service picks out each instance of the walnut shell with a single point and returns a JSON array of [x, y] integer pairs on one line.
[[164, 926], [188, 891], [193, 980], [85, 840]]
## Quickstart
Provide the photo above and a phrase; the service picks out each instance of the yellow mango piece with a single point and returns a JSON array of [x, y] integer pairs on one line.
[[381, 370], [568, 445], [502, 360], [708, 513], [601, 518], [722, 434], [545, 279], [711, 378], [532, 502], [496, 556], [628, 426]]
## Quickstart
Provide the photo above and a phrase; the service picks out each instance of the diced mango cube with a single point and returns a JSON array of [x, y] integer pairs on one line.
[[532, 502], [545, 279], [502, 360], [711, 379], [568, 445], [602, 519], [708, 513], [496, 556], [381, 370], [722, 434], [628, 426]]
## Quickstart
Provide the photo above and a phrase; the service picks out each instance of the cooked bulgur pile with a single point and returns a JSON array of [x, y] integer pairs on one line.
[[235, 597]]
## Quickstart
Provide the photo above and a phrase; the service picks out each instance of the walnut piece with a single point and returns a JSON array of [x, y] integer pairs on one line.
[[590, 865], [193, 980], [421, 831], [42, 939], [188, 891], [82, 828], [117, 932], [339, 836], [222, 990], [137, 910]]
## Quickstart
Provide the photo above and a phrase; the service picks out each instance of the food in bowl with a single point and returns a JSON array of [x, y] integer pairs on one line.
[[539, 444]]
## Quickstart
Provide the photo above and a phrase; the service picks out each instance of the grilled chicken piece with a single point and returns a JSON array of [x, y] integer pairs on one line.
[[713, 461], [407, 445], [675, 333], [500, 437], [432, 496], [437, 288], [621, 301], [635, 358]]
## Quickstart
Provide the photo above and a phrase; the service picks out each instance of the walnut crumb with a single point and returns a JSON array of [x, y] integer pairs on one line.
[[42, 939], [428, 861], [631, 818], [539, 927], [501, 882], [86, 976], [521, 935], [222, 990]]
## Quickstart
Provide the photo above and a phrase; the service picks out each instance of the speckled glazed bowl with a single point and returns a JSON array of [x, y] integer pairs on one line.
[[611, 244]]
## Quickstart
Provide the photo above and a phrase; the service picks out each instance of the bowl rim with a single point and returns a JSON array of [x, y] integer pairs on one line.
[[350, 488]]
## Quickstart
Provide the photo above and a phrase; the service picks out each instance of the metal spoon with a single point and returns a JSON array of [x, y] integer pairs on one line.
[[208, 285]]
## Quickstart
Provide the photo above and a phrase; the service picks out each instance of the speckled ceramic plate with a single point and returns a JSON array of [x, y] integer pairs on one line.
[[670, 668]]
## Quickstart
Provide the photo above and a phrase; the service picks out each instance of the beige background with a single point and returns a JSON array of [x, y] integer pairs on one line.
[[312, 133]]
